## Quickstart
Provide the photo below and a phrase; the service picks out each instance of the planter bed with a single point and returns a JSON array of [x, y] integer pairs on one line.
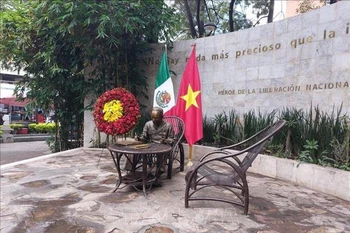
[[328, 180]]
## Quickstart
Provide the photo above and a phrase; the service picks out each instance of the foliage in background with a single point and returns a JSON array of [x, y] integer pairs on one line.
[[264, 9], [308, 5], [341, 153], [310, 154], [254, 123], [42, 127], [16, 126], [208, 131], [73, 49], [228, 16], [227, 128], [309, 136]]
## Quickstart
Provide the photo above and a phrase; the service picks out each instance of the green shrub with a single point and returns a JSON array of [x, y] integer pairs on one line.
[[208, 131], [42, 127], [31, 127], [341, 153], [253, 122], [45, 127], [16, 126], [310, 136]]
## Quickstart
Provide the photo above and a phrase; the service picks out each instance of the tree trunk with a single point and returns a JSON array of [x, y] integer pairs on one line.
[[200, 23], [190, 20], [231, 16], [271, 8]]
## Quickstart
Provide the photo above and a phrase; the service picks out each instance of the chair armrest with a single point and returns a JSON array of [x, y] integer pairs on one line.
[[209, 154], [224, 154]]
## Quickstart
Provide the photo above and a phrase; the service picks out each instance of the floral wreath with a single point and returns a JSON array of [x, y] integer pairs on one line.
[[116, 111]]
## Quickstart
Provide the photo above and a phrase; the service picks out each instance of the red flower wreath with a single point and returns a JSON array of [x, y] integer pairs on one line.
[[116, 111]]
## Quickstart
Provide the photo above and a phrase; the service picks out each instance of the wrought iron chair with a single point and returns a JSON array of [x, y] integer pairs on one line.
[[227, 169], [177, 152]]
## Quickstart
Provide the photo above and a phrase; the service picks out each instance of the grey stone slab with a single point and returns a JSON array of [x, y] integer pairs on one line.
[[74, 191]]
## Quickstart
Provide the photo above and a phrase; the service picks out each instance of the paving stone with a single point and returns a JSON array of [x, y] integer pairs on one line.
[[73, 193]]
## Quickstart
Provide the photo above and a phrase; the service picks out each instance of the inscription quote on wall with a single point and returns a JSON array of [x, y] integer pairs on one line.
[[292, 88], [293, 44]]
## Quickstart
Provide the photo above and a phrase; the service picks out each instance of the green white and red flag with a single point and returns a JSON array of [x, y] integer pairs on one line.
[[164, 90]]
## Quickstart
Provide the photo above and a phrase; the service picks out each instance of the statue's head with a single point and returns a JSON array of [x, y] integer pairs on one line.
[[157, 115]]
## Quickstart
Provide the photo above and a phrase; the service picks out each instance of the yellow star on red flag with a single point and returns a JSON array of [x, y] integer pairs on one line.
[[189, 102], [190, 97]]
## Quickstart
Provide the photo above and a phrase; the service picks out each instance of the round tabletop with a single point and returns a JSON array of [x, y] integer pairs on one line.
[[149, 148]]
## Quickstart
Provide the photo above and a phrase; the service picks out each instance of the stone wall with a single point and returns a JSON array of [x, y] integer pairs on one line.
[[295, 62]]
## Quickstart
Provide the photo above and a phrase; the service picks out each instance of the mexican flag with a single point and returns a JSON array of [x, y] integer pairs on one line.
[[164, 91]]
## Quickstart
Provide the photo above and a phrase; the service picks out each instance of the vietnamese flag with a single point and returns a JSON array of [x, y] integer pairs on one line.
[[189, 101]]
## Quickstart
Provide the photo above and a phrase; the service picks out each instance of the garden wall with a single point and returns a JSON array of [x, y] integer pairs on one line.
[[294, 62]]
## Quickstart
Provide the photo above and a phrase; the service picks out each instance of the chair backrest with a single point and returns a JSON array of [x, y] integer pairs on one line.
[[259, 139], [178, 126]]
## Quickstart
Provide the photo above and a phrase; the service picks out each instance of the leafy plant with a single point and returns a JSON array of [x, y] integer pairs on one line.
[[341, 153], [74, 49], [208, 131], [308, 5], [53, 144], [277, 150], [31, 127], [234, 128], [253, 122], [16, 126], [308, 155], [293, 139], [220, 126], [42, 127], [309, 136]]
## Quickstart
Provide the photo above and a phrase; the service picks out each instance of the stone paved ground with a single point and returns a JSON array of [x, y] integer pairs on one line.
[[17, 151], [71, 192]]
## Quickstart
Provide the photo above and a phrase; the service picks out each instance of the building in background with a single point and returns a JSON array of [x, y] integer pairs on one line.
[[8, 79], [12, 111], [287, 8]]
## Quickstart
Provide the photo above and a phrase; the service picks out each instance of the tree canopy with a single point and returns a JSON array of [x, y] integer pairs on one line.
[[56, 42], [74, 48], [227, 16]]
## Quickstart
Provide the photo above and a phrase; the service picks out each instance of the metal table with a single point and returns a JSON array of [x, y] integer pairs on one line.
[[150, 156]]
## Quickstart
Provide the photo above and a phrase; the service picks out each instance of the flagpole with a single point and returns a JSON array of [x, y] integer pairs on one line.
[[190, 163]]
